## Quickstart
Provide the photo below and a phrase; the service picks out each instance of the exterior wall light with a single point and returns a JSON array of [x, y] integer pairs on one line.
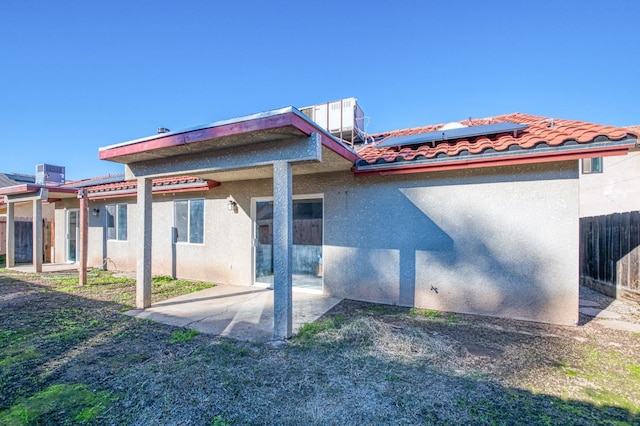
[[232, 206], [95, 211]]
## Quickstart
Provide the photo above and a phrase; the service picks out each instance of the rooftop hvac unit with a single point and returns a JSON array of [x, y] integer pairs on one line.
[[343, 118], [46, 173]]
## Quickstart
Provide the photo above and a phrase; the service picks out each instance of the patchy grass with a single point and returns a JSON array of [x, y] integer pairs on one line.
[[68, 356], [60, 403], [119, 288], [310, 332], [165, 287]]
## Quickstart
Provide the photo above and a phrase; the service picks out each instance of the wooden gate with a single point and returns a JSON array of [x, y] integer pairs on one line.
[[23, 242]]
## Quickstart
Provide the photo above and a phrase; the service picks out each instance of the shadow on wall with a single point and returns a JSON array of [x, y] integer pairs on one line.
[[393, 225], [455, 251]]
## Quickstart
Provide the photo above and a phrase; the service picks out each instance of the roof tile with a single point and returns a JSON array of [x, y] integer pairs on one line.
[[542, 132], [157, 184]]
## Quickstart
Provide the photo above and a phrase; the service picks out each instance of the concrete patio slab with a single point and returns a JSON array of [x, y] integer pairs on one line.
[[243, 313], [46, 268]]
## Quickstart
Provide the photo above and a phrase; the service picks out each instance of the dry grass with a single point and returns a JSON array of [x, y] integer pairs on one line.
[[361, 364]]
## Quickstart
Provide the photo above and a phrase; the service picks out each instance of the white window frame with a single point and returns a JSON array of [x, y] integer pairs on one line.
[[254, 236], [116, 220], [589, 163], [188, 201]]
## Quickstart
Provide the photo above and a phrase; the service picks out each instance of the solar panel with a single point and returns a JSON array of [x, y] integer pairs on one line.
[[102, 181], [453, 134]]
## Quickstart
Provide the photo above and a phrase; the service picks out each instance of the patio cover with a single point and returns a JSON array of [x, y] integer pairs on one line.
[[276, 144]]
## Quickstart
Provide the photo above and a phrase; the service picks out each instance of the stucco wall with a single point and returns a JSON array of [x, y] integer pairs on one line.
[[615, 190], [500, 242]]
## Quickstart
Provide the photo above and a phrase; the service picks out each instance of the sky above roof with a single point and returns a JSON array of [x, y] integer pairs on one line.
[[76, 76]]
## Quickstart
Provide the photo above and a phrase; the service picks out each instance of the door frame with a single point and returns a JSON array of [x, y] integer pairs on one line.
[[68, 235], [254, 202]]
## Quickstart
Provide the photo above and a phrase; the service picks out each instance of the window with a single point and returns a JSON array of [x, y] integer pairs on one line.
[[117, 222], [592, 165], [189, 221]]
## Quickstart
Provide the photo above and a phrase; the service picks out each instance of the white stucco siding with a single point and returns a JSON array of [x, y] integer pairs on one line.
[[615, 190], [500, 242]]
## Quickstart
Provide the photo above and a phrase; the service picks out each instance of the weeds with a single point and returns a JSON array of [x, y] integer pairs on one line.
[[452, 318], [358, 365], [427, 313], [219, 421], [182, 336], [309, 331]]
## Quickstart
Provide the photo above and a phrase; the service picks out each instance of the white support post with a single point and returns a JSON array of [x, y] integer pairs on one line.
[[37, 235], [282, 247], [84, 238], [143, 271], [10, 258]]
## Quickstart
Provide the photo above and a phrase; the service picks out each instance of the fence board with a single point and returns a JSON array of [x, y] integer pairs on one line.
[[610, 252]]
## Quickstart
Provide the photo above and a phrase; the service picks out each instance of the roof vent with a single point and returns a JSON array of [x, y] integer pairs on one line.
[[163, 130], [453, 125]]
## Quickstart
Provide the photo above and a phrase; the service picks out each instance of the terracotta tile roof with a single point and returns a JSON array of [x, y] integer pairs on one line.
[[160, 185], [542, 132]]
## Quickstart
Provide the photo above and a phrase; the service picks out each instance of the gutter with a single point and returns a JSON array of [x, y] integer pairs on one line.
[[505, 158]]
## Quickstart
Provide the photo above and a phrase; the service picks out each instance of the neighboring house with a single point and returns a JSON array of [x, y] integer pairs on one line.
[[24, 221], [610, 223], [478, 217]]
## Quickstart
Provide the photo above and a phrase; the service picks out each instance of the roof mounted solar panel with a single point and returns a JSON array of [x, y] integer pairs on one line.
[[453, 134]]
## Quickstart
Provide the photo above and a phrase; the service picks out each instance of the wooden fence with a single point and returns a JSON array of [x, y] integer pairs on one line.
[[610, 254]]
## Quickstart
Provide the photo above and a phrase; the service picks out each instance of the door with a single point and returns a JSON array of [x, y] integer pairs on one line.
[[307, 242], [73, 233]]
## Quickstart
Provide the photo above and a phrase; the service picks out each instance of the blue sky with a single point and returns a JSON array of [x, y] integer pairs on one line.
[[78, 75]]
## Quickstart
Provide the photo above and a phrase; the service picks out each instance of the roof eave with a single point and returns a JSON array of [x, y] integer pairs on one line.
[[157, 189], [540, 155], [283, 117], [27, 188]]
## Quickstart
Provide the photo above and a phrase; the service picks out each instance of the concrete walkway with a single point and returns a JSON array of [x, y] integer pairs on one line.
[[604, 311], [243, 313]]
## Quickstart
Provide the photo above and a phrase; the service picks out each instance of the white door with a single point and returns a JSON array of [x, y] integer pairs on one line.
[[73, 235]]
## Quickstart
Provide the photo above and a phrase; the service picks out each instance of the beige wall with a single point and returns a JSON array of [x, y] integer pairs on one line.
[[3, 236], [615, 190], [500, 242]]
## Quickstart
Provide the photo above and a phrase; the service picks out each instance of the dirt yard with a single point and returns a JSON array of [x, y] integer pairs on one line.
[[69, 356]]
